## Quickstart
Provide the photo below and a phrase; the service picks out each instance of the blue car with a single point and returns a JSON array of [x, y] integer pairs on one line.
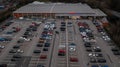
[[2, 39], [104, 66], [95, 66], [9, 32]]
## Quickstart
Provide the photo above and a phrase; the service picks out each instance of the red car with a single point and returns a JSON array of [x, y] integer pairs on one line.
[[3, 26], [73, 59], [18, 29], [43, 57], [50, 33], [44, 32], [61, 52]]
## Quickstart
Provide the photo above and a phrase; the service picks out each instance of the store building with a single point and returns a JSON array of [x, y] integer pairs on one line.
[[57, 10]]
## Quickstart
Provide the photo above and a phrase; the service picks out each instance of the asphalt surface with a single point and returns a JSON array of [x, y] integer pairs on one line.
[[71, 35]]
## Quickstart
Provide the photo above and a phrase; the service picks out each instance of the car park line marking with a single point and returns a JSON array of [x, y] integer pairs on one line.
[[109, 58], [23, 62]]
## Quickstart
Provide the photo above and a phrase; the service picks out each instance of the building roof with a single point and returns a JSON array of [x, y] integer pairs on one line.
[[40, 7], [98, 12]]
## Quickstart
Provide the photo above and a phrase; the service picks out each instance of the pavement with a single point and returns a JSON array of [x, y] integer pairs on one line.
[[71, 35]]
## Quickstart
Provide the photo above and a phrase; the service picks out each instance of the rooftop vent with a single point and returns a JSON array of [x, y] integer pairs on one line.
[[37, 2]]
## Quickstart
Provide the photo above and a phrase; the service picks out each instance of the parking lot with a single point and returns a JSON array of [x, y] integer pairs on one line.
[[57, 43]]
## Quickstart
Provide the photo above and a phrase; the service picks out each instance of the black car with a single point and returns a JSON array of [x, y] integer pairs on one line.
[[63, 25], [16, 46], [45, 49], [14, 59], [3, 65], [87, 44], [97, 50], [1, 29], [101, 60], [99, 55], [27, 33], [37, 51], [40, 65], [12, 51], [116, 52], [39, 45], [62, 28], [62, 22], [61, 54], [115, 49], [89, 50], [25, 36], [17, 56], [28, 29], [34, 29], [47, 45], [56, 32], [90, 34]]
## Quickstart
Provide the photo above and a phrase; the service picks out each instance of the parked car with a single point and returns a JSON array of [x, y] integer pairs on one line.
[[72, 44], [70, 23], [45, 49], [3, 65], [12, 51], [116, 52], [95, 55], [20, 51], [61, 52], [39, 45], [37, 51], [88, 49], [14, 59], [97, 50], [73, 59], [62, 28], [104, 66], [20, 41], [16, 46], [2, 47], [17, 56], [93, 60], [115, 49], [71, 49], [43, 56], [101, 60], [41, 41], [47, 45], [87, 44], [95, 66], [40, 65]]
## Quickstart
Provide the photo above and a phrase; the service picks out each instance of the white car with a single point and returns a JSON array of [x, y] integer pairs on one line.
[[2, 47], [96, 47], [71, 49], [106, 38], [95, 55], [103, 33], [62, 46], [20, 51], [86, 39]]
